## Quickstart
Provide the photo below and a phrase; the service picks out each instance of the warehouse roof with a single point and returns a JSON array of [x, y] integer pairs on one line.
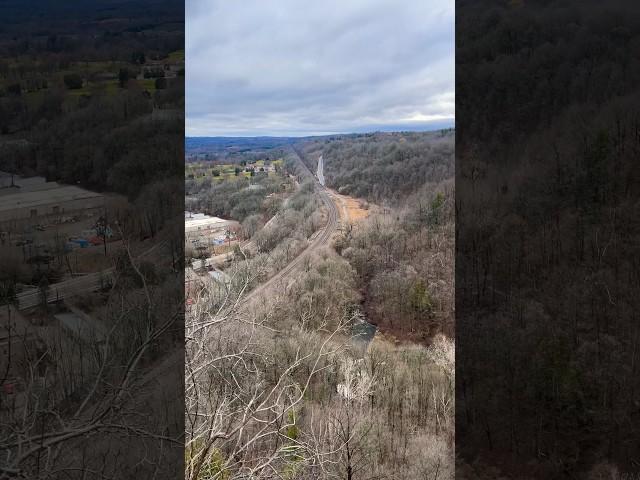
[[28, 188], [200, 221], [33, 199]]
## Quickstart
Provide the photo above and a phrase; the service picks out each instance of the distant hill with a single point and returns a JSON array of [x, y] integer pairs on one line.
[[216, 147], [382, 166], [221, 144]]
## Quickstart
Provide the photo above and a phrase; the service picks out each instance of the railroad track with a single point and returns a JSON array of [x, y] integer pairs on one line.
[[321, 239]]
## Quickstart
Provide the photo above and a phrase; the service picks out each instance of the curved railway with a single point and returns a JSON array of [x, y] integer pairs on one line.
[[319, 241]]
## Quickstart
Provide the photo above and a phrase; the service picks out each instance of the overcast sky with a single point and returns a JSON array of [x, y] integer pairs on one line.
[[303, 67]]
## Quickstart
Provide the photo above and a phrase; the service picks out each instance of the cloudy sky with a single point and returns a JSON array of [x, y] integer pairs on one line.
[[303, 67]]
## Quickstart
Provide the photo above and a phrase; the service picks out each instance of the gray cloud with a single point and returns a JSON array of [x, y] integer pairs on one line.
[[292, 67]]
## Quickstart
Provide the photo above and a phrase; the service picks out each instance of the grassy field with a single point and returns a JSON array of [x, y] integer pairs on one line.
[[176, 57], [202, 170], [148, 84], [110, 87], [89, 70]]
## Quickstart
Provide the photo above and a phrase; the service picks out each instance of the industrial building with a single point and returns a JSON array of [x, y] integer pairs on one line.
[[206, 234], [29, 198], [10, 182], [199, 223], [199, 227]]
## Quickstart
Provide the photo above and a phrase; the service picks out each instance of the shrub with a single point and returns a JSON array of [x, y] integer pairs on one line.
[[73, 81]]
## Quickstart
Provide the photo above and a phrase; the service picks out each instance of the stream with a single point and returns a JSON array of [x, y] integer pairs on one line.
[[362, 334]]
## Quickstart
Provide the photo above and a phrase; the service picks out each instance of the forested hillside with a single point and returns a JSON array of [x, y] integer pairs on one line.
[[404, 254], [90, 101], [316, 395], [92, 284], [547, 214], [234, 149], [384, 167]]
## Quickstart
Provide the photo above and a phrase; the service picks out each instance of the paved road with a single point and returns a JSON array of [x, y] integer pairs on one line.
[[74, 286], [320, 173], [57, 291]]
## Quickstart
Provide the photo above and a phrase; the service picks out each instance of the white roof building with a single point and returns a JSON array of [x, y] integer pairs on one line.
[[200, 221], [41, 201]]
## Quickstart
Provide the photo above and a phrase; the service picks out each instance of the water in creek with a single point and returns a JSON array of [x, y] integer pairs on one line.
[[362, 332]]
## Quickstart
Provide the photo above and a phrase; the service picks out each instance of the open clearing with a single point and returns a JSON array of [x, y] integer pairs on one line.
[[351, 209]]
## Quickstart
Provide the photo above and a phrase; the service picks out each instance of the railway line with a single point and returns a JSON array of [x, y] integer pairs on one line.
[[318, 242]]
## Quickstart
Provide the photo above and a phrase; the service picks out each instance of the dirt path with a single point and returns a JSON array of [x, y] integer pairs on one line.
[[351, 209]]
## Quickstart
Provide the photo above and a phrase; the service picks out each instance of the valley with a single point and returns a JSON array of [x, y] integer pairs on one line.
[[314, 312]]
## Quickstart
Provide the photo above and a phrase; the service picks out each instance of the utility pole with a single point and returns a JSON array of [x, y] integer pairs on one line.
[[104, 234], [101, 229]]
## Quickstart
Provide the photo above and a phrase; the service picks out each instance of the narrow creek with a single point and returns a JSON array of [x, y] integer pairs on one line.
[[362, 333]]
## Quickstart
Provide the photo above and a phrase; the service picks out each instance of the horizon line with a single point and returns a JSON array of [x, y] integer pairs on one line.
[[327, 134]]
